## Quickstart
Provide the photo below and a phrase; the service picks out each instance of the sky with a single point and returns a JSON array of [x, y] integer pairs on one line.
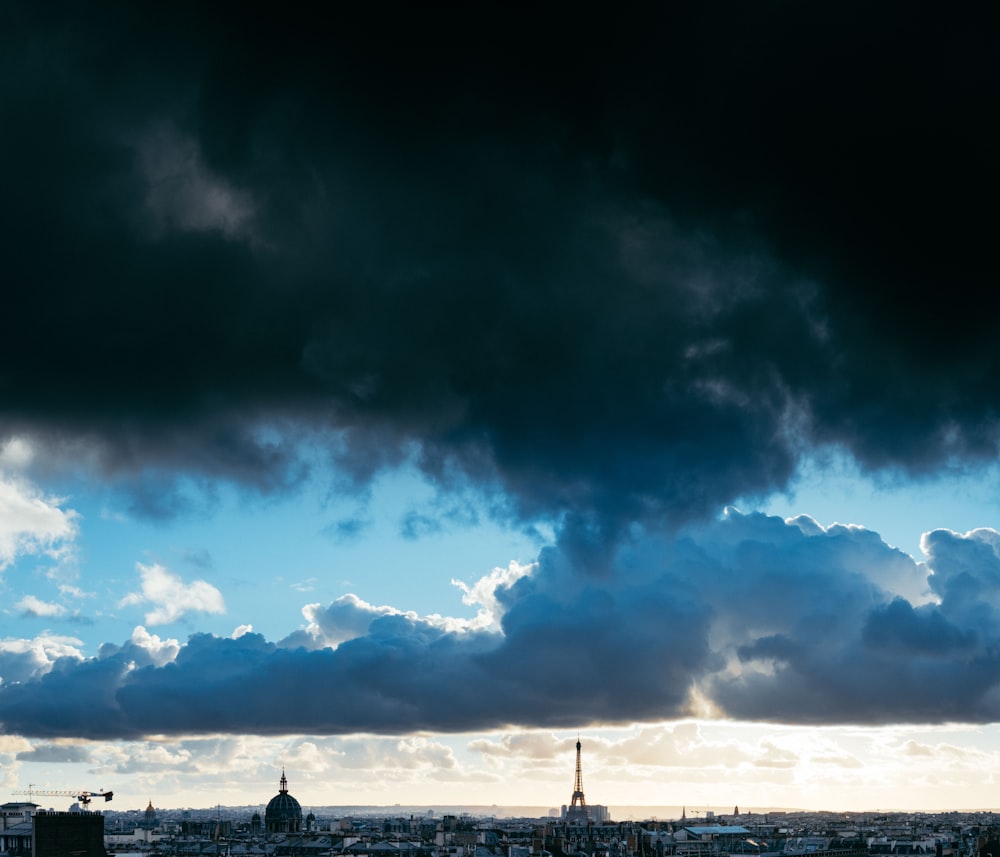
[[393, 397]]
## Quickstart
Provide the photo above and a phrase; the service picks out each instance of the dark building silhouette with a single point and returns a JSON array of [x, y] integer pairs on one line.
[[56, 834], [283, 813]]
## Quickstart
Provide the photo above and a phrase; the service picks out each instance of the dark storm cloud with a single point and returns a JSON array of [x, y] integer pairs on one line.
[[758, 617], [625, 264]]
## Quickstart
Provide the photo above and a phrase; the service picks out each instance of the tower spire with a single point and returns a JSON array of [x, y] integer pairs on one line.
[[578, 805], [578, 798]]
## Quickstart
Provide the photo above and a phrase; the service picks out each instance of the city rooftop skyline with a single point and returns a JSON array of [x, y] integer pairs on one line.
[[394, 395]]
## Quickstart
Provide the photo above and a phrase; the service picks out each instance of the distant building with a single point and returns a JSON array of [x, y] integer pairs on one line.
[[149, 819], [283, 813], [599, 814], [15, 826]]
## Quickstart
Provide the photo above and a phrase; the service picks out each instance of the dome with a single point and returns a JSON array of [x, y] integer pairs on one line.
[[283, 806], [283, 813]]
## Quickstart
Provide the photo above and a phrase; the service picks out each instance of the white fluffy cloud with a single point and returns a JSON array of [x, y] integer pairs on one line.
[[160, 651], [346, 618], [484, 592], [32, 606], [171, 597], [350, 617], [22, 660], [32, 523]]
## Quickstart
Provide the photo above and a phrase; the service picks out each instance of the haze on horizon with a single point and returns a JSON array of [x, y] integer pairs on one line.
[[392, 396]]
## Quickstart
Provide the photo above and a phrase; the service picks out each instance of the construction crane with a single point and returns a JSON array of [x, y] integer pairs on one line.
[[81, 795]]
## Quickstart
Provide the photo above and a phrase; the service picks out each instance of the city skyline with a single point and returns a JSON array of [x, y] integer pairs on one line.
[[395, 399]]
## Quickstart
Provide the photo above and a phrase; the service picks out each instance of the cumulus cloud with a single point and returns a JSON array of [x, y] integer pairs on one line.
[[349, 617], [23, 660], [393, 757], [171, 597], [151, 758], [536, 746], [30, 605], [31, 523], [422, 752], [13, 744], [852, 657], [306, 756], [762, 618], [483, 593], [158, 651], [965, 572], [70, 591], [346, 618]]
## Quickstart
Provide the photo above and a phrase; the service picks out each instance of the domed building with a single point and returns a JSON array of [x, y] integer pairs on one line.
[[283, 813], [149, 819]]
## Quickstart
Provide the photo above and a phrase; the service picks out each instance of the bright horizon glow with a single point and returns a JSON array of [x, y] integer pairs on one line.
[[701, 765]]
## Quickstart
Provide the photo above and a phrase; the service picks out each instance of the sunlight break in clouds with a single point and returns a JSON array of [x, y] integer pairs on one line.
[[171, 597]]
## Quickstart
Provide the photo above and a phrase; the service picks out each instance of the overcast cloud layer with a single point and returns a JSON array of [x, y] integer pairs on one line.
[[610, 273], [626, 264]]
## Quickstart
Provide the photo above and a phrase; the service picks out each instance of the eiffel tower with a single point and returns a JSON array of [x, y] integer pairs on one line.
[[577, 812]]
